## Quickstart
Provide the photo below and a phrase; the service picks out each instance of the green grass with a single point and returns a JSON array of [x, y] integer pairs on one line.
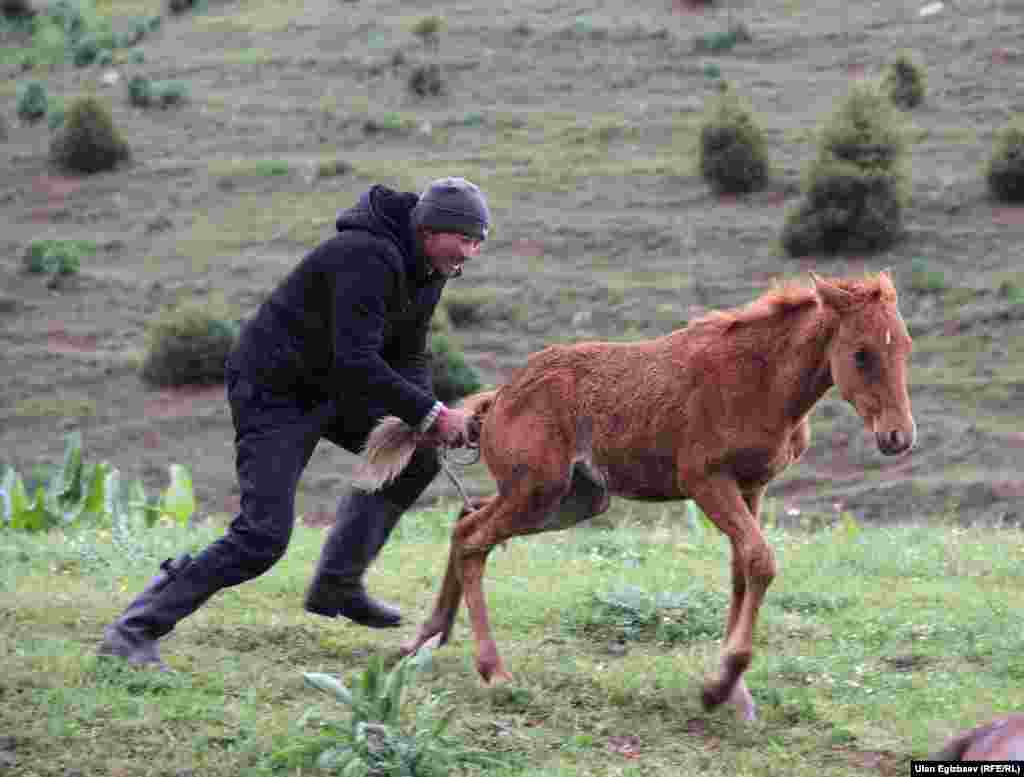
[[872, 643]]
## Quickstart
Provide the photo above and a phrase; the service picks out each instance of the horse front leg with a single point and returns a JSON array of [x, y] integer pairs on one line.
[[442, 619], [753, 569]]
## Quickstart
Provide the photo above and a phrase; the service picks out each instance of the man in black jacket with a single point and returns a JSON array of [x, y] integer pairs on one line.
[[339, 344]]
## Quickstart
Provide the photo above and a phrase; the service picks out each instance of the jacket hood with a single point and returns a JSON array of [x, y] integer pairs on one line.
[[385, 212]]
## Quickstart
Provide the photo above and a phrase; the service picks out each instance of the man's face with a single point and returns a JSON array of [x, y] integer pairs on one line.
[[448, 251]]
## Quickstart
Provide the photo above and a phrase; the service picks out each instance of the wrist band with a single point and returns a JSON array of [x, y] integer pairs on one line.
[[430, 417]]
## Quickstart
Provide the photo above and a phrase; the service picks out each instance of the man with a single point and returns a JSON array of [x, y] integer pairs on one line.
[[339, 344]]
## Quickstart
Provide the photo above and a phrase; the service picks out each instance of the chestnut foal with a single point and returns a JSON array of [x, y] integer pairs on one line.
[[712, 412]]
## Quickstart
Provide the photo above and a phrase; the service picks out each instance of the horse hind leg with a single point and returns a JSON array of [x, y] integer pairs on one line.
[[446, 607]]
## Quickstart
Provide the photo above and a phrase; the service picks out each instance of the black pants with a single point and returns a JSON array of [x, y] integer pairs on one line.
[[275, 436]]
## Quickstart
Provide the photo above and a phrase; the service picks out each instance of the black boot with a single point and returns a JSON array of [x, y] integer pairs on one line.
[[170, 596], [364, 523]]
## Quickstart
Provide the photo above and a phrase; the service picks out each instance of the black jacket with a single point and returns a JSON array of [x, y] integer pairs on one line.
[[350, 321]]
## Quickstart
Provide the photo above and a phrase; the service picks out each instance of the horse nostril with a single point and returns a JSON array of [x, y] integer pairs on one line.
[[896, 440]]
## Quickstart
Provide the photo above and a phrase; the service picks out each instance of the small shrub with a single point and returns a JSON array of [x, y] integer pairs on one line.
[[31, 101], [925, 279], [144, 93], [57, 257], [85, 51], [16, 9], [469, 307], [187, 344], [857, 186], [429, 29], [88, 142], [904, 81], [426, 80], [331, 168], [452, 375], [55, 118], [169, 93], [733, 151], [140, 92], [1004, 170]]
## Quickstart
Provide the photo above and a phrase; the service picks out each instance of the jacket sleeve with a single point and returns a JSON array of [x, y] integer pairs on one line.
[[361, 291]]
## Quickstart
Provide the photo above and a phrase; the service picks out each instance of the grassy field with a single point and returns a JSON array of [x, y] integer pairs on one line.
[[874, 646]]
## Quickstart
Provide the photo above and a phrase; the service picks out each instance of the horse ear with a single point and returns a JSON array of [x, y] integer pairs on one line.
[[830, 294]]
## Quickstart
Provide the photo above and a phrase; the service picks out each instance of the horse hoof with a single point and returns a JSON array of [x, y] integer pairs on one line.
[[498, 679]]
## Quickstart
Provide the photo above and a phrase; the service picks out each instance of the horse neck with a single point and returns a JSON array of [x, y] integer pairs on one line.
[[800, 361]]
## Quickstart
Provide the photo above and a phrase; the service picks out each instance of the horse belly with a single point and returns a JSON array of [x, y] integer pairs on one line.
[[650, 477]]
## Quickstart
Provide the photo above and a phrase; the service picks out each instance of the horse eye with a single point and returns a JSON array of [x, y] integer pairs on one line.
[[862, 358]]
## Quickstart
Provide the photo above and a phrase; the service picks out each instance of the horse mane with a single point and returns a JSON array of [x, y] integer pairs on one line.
[[788, 297]]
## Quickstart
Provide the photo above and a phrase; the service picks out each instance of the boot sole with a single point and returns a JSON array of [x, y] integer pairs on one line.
[[373, 623]]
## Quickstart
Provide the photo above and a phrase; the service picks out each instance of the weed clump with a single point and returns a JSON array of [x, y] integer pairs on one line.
[[452, 375], [145, 93], [426, 80], [88, 142], [188, 344], [733, 151], [904, 81], [31, 101], [1004, 171], [857, 186]]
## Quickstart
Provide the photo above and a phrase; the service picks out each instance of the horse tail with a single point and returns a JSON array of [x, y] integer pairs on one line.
[[386, 452], [392, 443]]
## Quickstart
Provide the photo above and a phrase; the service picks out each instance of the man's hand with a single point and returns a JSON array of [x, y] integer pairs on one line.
[[449, 429]]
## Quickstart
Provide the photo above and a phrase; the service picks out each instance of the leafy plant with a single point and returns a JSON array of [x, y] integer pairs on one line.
[[904, 81], [1004, 171], [733, 150], [375, 741], [452, 375], [31, 101], [77, 494], [188, 344], [88, 142]]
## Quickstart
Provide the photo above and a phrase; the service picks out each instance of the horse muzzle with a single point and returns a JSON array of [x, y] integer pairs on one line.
[[895, 441]]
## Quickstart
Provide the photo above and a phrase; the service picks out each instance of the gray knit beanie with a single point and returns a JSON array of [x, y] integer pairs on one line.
[[453, 205]]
